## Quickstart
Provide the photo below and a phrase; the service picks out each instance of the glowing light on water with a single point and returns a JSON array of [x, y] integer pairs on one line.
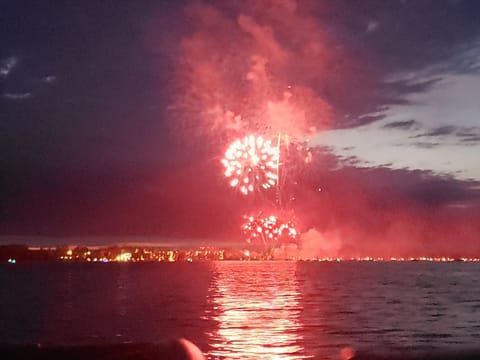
[[256, 322]]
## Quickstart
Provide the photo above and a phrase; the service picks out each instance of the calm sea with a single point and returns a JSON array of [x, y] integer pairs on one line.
[[258, 310]]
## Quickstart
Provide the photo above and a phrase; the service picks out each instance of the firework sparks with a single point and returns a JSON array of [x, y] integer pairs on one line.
[[251, 163], [269, 229]]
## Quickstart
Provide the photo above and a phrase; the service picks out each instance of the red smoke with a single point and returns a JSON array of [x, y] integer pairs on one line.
[[377, 212], [251, 68], [271, 67]]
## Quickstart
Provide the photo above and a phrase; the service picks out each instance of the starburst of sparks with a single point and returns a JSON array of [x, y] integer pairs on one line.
[[269, 229], [251, 163]]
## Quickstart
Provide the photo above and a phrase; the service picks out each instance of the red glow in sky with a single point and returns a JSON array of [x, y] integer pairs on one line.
[[127, 138]]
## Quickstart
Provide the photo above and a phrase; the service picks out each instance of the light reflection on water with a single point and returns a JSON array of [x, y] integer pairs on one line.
[[261, 322]]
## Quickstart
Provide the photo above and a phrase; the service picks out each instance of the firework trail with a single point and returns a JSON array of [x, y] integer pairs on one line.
[[251, 163]]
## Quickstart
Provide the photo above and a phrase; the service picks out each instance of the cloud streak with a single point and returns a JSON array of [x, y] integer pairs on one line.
[[405, 124], [17, 96], [435, 128], [439, 131], [7, 65]]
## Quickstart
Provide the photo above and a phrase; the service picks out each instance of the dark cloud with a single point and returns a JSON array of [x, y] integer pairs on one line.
[[352, 160], [469, 135], [433, 31], [414, 36], [467, 61], [471, 139], [404, 125], [434, 191], [361, 120], [426, 145], [466, 134], [410, 87], [439, 131]]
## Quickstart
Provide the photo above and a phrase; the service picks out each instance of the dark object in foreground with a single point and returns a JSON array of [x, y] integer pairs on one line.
[[412, 355], [185, 350], [174, 350]]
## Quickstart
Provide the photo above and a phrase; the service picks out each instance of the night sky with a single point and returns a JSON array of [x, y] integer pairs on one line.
[[114, 117]]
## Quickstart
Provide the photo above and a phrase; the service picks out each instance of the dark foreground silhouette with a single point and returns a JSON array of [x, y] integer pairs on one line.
[[463, 355], [185, 350], [174, 350]]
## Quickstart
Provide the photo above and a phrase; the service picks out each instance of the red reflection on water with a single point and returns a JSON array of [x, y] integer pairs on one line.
[[257, 309]]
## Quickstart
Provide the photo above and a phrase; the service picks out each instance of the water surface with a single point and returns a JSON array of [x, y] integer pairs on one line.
[[258, 310]]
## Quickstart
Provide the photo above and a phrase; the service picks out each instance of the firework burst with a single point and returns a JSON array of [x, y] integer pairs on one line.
[[269, 230], [251, 163]]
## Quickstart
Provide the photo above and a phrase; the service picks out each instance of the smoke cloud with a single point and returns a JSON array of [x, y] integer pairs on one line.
[[316, 244], [275, 67], [250, 67]]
